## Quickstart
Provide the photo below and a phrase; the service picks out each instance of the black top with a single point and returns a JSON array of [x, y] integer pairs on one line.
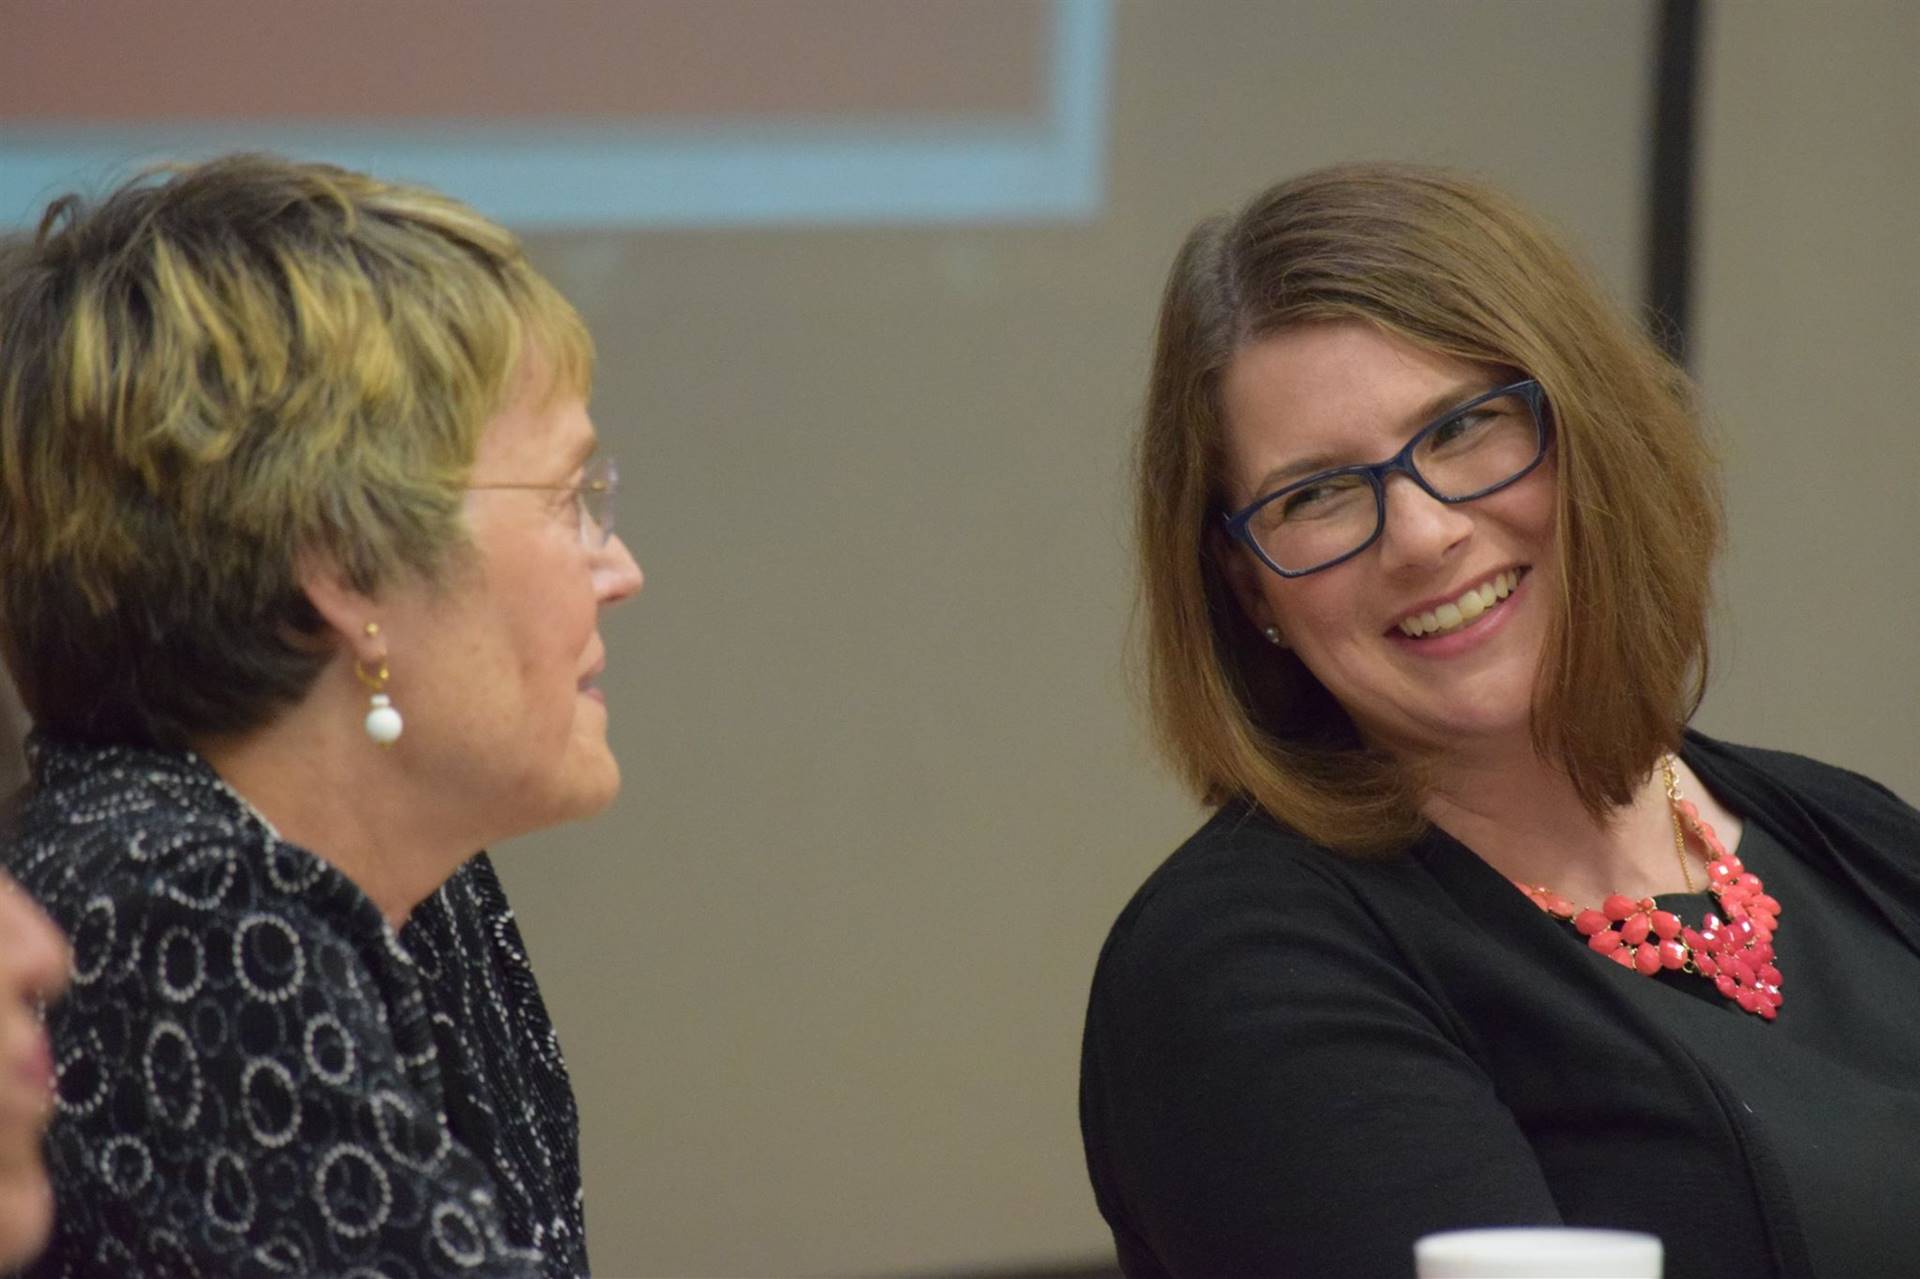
[[257, 1075], [1298, 1063]]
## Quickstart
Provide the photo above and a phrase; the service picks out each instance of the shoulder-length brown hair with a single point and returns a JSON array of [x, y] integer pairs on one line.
[[1459, 270]]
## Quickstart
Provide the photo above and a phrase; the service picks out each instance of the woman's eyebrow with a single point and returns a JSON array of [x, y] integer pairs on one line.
[[1284, 474], [1460, 395], [583, 451], [1431, 411]]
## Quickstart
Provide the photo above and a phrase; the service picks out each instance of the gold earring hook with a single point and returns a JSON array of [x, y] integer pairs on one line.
[[376, 679]]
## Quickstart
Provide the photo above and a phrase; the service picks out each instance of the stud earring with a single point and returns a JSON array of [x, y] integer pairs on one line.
[[1273, 636], [383, 722]]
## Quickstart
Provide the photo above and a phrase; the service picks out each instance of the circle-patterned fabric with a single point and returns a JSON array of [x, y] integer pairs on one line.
[[257, 1075]]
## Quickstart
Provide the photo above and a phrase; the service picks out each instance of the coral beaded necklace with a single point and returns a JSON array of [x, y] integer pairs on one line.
[[1736, 953]]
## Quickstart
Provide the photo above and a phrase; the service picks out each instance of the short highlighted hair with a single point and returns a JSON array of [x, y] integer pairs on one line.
[[1456, 269], [212, 374]]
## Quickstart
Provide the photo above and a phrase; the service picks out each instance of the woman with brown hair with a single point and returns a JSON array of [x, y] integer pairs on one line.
[[1481, 934]]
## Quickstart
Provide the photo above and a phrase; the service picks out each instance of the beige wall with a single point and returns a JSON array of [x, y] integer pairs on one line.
[[1808, 342], [821, 972]]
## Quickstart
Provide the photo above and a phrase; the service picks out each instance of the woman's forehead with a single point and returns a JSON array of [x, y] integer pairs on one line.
[[1330, 387], [536, 438]]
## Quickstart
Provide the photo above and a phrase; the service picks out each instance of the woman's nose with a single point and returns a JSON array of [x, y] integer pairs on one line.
[[1420, 529], [616, 574], [34, 960]]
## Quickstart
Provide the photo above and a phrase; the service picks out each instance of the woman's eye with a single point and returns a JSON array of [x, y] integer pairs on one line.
[[1455, 429], [1303, 500], [1320, 501], [566, 504]]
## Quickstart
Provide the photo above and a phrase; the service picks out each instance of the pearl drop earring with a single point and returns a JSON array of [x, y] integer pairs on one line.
[[383, 722]]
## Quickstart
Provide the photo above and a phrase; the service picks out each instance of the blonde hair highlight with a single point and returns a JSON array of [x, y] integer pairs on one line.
[[220, 369]]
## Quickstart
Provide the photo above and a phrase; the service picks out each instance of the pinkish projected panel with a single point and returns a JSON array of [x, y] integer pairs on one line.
[[529, 61]]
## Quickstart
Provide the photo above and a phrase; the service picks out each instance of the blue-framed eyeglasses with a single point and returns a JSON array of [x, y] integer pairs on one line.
[[1480, 447], [592, 496]]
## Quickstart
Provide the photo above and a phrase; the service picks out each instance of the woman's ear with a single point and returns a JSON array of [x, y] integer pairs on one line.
[[1243, 577], [350, 613]]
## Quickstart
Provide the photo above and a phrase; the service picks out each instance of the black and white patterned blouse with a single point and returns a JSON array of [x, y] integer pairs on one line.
[[257, 1076]]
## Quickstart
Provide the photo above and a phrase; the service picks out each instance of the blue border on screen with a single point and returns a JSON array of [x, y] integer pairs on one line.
[[1053, 169]]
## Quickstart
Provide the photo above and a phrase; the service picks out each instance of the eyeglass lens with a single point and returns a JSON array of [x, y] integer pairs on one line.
[[1459, 457], [596, 492]]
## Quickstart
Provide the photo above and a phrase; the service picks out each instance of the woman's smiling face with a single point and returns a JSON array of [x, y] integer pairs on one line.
[[1344, 392]]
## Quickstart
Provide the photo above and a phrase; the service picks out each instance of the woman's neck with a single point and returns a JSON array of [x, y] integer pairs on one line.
[[1522, 816], [322, 784]]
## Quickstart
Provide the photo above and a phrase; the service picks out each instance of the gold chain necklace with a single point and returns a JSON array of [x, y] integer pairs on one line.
[[1735, 953], [1673, 810]]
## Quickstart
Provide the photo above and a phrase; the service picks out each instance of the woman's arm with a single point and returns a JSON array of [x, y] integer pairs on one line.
[[1267, 1090]]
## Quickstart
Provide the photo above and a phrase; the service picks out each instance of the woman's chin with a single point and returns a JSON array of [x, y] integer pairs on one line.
[[592, 781], [26, 1214], [1441, 731], [602, 797]]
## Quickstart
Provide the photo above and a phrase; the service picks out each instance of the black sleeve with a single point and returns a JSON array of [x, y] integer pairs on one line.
[[238, 1096], [1267, 1090]]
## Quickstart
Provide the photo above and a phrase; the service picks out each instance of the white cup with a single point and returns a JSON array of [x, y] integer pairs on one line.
[[1537, 1252]]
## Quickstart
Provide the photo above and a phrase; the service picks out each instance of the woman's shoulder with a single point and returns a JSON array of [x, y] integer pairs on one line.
[[1761, 772], [1243, 885], [1242, 853], [107, 821], [125, 832]]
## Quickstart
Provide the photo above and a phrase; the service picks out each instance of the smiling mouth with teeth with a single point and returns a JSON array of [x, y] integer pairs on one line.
[[1472, 603]]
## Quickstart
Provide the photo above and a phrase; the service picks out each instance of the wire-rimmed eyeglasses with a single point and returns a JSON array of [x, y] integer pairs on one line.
[[1479, 448], [592, 498]]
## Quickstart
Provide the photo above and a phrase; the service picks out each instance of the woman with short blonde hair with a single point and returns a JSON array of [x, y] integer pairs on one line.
[[304, 538], [1481, 933]]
